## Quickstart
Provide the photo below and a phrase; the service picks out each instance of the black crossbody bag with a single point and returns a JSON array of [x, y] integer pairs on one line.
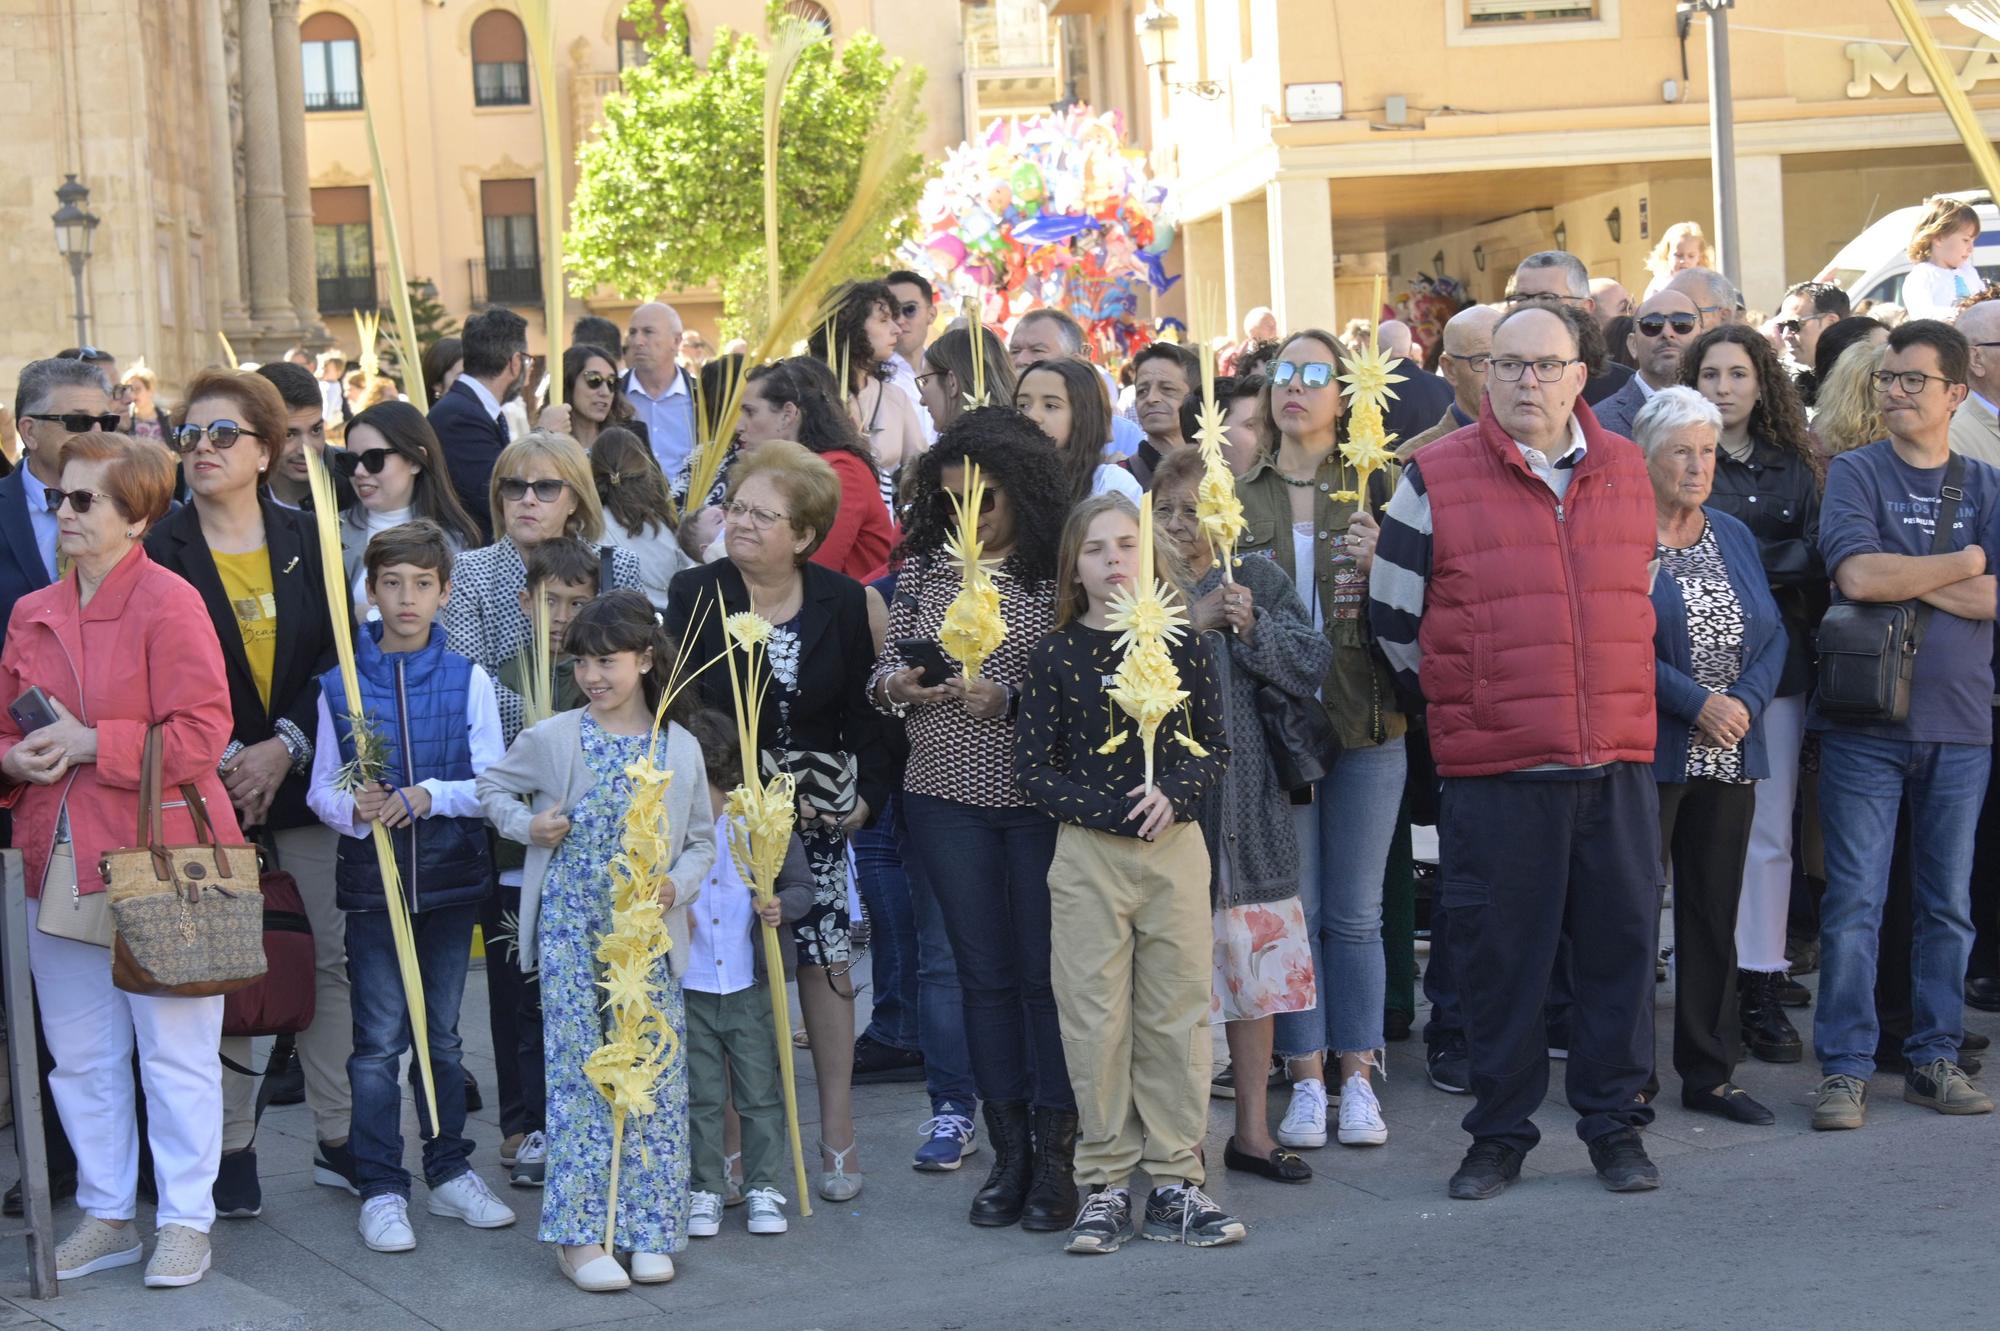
[[1868, 649]]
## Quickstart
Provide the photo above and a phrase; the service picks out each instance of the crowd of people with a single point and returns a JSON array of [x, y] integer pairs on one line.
[[1606, 625]]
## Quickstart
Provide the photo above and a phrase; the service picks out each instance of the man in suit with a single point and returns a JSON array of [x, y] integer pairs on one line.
[[1975, 426], [1665, 327], [467, 418], [1559, 277], [658, 388], [1421, 396]]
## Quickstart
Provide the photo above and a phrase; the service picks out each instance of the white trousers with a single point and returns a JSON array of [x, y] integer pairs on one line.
[[1767, 868], [91, 1025]]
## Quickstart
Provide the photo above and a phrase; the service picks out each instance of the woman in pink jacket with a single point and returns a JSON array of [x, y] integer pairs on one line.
[[117, 645]]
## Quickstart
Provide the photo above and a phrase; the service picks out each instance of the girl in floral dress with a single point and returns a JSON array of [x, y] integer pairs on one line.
[[573, 769]]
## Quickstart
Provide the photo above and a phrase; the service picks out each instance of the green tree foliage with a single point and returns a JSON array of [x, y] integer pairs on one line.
[[433, 322], [670, 191]]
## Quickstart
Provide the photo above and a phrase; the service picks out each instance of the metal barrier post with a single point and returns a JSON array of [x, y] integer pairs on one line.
[[29, 1146]]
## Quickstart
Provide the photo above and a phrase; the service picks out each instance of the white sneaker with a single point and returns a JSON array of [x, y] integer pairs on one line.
[[1305, 1117], [96, 1246], [529, 1167], [180, 1258], [469, 1199], [385, 1223], [705, 1215], [1361, 1113], [765, 1215], [651, 1268]]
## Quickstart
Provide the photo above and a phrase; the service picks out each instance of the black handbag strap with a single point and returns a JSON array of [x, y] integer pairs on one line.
[[1948, 496]]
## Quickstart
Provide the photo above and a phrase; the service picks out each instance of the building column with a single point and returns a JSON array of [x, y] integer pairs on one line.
[[264, 178], [299, 249], [1760, 230], [222, 147], [1201, 243], [1300, 214], [1246, 259]]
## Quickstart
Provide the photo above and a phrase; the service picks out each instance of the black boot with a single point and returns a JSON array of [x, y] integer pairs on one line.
[[1052, 1199], [1767, 1032], [1006, 1191]]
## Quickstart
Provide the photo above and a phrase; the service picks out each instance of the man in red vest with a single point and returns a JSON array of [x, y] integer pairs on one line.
[[1509, 590]]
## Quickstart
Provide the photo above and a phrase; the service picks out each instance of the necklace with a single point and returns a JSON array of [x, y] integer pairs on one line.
[[1305, 484]]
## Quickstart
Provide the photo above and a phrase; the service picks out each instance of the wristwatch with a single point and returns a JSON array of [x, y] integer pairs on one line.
[[1013, 709]]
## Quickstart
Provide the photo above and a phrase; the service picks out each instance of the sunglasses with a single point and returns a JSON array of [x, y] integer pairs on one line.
[[1653, 324], [79, 500], [593, 379], [371, 460], [221, 434], [514, 488], [1313, 374], [908, 309], [80, 422], [1794, 325], [947, 512]]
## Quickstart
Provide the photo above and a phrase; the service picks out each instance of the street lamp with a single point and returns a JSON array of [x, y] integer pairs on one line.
[[1157, 28], [74, 223]]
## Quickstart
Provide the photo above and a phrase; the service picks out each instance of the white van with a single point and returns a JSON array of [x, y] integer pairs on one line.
[[1873, 264]]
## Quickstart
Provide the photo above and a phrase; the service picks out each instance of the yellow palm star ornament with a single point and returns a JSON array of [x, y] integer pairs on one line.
[[367, 327], [972, 629], [1216, 504], [975, 327], [1370, 371], [1147, 685], [761, 814]]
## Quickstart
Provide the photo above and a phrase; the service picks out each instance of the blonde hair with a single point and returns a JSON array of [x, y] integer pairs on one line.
[[1071, 600], [1845, 412], [1942, 216], [1660, 262], [569, 462]]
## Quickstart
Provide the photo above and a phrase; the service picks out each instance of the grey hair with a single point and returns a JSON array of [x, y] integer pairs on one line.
[[1670, 411], [1071, 334], [41, 378], [1720, 291], [1571, 267]]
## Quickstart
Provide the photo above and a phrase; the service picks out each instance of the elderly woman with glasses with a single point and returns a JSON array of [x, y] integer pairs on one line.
[[257, 567], [1719, 646]]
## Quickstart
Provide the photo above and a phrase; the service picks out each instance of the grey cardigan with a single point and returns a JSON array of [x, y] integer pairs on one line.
[[1248, 813], [546, 765]]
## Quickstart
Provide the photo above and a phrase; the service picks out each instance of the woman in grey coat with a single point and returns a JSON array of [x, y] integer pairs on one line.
[[1263, 960]]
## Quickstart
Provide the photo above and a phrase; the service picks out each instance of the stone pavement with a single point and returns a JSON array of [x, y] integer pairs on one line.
[[1756, 1227]]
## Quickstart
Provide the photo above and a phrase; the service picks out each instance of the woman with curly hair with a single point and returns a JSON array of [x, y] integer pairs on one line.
[[1768, 478], [856, 334], [985, 852]]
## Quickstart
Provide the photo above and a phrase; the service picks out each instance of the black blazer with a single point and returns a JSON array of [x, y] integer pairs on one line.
[[21, 567], [1420, 400], [472, 441], [305, 634], [836, 656]]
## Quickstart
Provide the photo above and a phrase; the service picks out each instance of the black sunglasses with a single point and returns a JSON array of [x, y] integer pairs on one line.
[[908, 309], [80, 422], [79, 500], [594, 379], [222, 434], [1652, 324], [514, 488], [371, 460], [949, 512]]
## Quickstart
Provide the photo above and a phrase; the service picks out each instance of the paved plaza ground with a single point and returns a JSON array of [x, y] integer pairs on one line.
[[1892, 1226]]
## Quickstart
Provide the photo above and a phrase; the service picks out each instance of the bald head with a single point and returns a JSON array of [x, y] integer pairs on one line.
[[1981, 324], [1468, 341], [1261, 324], [1534, 411], [1612, 299], [652, 341], [1393, 336], [1713, 294]]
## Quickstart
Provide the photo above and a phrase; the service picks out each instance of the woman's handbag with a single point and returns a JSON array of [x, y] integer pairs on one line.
[[1299, 735], [1868, 649], [190, 919], [282, 1002], [827, 780], [66, 912]]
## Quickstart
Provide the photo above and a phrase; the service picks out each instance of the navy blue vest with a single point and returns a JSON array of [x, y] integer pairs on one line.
[[416, 704]]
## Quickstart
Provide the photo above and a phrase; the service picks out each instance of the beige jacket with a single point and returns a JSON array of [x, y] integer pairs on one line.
[[1975, 432]]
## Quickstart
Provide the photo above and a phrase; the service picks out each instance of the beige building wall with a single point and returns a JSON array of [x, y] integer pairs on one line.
[[417, 77]]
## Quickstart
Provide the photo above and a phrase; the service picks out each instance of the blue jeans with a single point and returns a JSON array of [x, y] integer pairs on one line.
[[940, 1001], [1862, 781], [382, 1036], [1344, 837], [989, 869], [892, 939]]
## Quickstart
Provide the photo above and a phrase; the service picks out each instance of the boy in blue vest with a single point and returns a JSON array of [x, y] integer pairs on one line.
[[436, 724]]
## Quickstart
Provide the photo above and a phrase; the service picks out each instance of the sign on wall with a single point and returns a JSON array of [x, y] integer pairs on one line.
[[1876, 66]]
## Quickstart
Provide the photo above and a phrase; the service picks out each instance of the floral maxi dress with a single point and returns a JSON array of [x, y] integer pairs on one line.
[[576, 911]]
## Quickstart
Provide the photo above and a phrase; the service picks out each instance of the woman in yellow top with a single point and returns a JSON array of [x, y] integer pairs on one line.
[[257, 567]]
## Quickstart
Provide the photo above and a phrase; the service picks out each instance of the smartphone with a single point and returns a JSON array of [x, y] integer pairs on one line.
[[31, 711], [930, 658]]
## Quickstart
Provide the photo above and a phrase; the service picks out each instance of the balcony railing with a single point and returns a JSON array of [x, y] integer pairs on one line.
[[500, 85], [334, 99], [504, 282], [345, 292]]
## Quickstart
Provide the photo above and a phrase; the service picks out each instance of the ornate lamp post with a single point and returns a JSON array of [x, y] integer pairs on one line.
[[74, 224]]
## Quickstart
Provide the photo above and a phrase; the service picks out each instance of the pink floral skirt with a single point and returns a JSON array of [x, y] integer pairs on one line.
[[1263, 964]]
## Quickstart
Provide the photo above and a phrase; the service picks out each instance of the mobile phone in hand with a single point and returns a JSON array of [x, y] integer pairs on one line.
[[32, 710], [927, 656]]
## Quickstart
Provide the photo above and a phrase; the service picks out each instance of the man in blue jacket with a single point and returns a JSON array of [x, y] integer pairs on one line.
[[467, 418]]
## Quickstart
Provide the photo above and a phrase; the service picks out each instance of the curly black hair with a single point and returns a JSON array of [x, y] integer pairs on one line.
[[1013, 455], [847, 309], [1779, 416]]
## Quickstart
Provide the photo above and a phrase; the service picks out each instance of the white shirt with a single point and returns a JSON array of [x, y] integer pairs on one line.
[[449, 799], [1932, 292], [904, 376], [1114, 479], [1556, 473], [484, 394], [720, 959], [1645, 389], [332, 396]]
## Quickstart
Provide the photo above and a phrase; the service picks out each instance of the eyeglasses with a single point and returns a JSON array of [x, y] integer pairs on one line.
[[1176, 515], [948, 513], [908, 309], [1510, 370], [1652, 325], [79, 500], [1913, 381], [763, 519], [221, 434], [1545, 297], [1313, 374], [1793, 325], [514, 489], [371, 460], [1477, 364], [80, 422], [594, 379]]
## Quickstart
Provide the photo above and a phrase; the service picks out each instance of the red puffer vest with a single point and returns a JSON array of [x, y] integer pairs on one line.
[[1537, 632]]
